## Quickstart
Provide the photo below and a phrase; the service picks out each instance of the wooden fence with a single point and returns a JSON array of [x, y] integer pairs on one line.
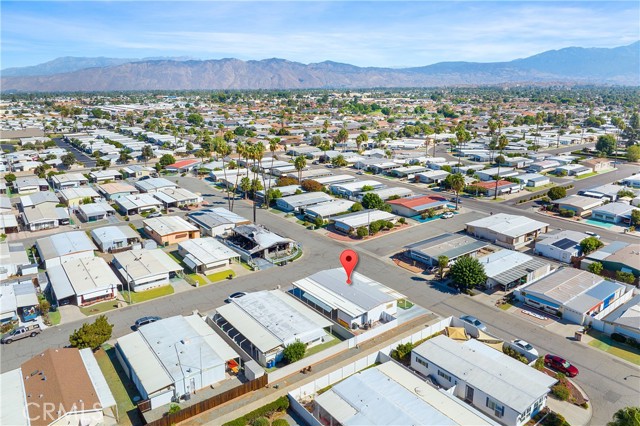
[[202, 406]]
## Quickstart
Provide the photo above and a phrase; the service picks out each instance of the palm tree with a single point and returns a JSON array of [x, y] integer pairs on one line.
[[628, 416], [273, 146], [502, 144], [457, 184], [223, 149], [241, 150], [257, 155], [300, 163]]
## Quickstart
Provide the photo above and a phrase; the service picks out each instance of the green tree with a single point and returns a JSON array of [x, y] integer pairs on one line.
[[195, 119], [633, 153], [590, 244], [375, 226], [635, 218], [339, 161], [311, 185], [606, 144], [557, 192], [362, 232], [166, 160], [10, 178], [372, 201], [300, 163], [245, 186], [625, 277], [342, 136], [356, 207], [595, 268], [628, 416], [456, 182], [68, 159], [92, 335], [147, 153], [124, 157], [443, 262], [294, 351], [467, 272]]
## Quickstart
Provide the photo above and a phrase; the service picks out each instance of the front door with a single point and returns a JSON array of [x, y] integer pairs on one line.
[[468, 397]]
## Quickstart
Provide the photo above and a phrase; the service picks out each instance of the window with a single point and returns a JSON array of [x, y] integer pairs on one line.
[[422, 362], [497, 408], [444, 375]]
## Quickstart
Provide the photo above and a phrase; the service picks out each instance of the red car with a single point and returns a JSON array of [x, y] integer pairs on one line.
[[560, 364]]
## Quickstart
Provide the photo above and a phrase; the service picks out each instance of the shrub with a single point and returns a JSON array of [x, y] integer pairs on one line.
[[362, 232], [557, 192], [318, 222], [402, 220], [555, 419], [260, 421], [515, 354], [539, 364], [625, 277], [619, 337], [402, 352], [310, 185], [560, 391], [280, 404], [173, 408], [294, 352], [280, 422], [567, 213], [92, 335]]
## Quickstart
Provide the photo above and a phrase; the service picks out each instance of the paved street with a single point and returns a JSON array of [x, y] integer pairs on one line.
[[601, 375], [80, 155]]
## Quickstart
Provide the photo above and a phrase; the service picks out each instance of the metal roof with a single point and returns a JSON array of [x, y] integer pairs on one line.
[[143, 263], [203, 251], [363, 294], [167, 225], [450, 245], [13, 404], [143, 361], [153, 184], [107, 234], [594, 296], [363, 218], [563, 285], [62, 244], [506, 266], [390, 395], [331, 208], [97, 379], [510, 225], [501, 377], [135, 201], [269, 319], [173, 195], [81, 276], [306, 199]]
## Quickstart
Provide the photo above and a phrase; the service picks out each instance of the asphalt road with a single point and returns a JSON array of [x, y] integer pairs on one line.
[[602, 376], [80, 155]]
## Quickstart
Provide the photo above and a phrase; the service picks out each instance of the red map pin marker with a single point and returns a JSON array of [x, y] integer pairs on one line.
[[349, 260]]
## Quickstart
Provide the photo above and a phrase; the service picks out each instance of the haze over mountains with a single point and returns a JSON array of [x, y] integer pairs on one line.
[[574, 65]]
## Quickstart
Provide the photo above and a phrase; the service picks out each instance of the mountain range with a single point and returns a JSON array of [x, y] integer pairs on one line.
[[573, 65]]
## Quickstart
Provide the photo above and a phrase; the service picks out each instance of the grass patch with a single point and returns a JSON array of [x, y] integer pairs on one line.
[[276, 211], [219, 276], [506, 306], [321, 347], [121, 387], [607, 344], [143, 296], [99, 308], [176, 256], [55, 317], [539, 188], [497, 200], [246, 266], [199, 279], [404, 304], [586, 175]]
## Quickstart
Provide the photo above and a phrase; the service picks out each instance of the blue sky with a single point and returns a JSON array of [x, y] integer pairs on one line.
[[390, 34]]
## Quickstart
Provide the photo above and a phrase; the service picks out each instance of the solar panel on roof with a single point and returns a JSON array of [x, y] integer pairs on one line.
[[564, 243]]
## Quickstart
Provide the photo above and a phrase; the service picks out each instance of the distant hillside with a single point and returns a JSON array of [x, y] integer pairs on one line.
[[616, 66]]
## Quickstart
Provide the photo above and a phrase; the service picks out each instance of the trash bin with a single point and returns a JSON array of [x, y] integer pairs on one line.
[[578, 336]]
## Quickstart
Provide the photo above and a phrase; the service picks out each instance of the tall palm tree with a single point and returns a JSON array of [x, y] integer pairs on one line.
[[502, 144], [240, 149], [300, 163], [457, 184], [223, 149], [273, 146], [257, 155]]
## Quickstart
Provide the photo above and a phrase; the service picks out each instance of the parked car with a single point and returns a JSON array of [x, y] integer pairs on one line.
[[154, 214], [146, 320], [474, 321], [21, 333], [447, 215], [359, 172], [593, 234], [560, 364], [522, 347], [454, 200], [235, 295]]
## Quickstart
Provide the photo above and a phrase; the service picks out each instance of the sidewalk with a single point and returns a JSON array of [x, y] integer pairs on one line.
[[573, 414], [243, 405]]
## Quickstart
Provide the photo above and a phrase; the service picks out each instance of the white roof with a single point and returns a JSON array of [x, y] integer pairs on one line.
[[172, 195], [144, 263], [71, 193], [63, 244], [331, 207], [390, 395], [203, 251], [508, 380], [85, 275], [502, 260], [328, 180], [144, 362], [135, 201], [167, 225], [364, 218], [305, 199], [153, 184], [108, 234], [357, 185], [13, 404], [269, 319], [7, 300], [97, 378], [507, 224], [331, 289]]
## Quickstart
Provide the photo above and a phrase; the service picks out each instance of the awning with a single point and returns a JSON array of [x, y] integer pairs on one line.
[[457, 333]]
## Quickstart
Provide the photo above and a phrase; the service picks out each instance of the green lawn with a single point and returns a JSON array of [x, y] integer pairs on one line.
[[121, 387], [246, 266], [539, 188], [219, 276], [55, 317], [143, 296], [321, 347], [586, 175], [198, 278], [175, 256], [506, 306], [404, 304], [99, 308], [607, 344]]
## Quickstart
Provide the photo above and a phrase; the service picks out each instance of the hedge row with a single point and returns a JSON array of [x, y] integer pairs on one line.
[[279, 404]]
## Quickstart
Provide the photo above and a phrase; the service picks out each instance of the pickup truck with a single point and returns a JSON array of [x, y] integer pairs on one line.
[[21, 333]]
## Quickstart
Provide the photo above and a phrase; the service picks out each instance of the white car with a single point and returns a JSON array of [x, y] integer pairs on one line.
[[447, 215], [523, 346]]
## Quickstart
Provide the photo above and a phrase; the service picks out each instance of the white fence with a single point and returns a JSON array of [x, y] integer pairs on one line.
[[612, 307]]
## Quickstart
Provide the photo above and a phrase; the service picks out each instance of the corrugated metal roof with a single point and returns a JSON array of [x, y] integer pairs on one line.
[[97, 379], [144, 362], [13, 405]]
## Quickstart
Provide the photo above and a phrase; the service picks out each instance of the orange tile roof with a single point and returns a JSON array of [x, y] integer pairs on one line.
[[58, 377], [416, 201], [182, 163]]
